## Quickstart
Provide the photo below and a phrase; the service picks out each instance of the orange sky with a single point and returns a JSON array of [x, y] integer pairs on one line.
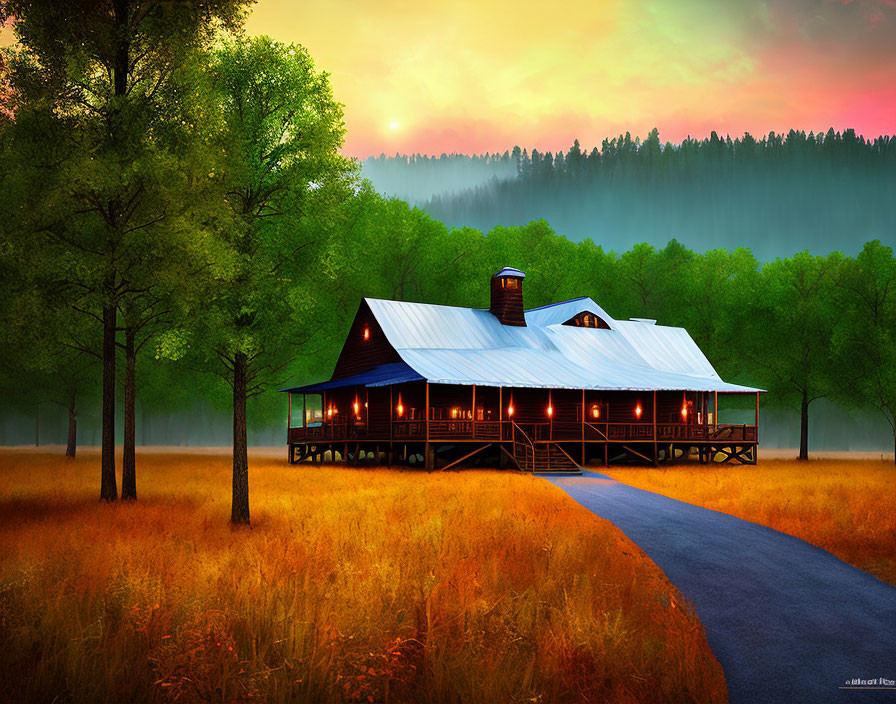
[[478, 75]]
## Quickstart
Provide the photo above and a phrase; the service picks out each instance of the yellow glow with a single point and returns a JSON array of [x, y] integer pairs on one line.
[[394, 125], [550, 411], [638, 410], [400, 407]]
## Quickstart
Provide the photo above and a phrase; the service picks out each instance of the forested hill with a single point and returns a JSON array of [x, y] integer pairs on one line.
[[776, 194]]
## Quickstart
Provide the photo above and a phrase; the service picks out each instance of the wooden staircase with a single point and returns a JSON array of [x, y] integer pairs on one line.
[[542, 457]]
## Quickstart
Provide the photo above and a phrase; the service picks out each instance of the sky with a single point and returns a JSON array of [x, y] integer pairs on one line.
[[475, 76], [432, 76]]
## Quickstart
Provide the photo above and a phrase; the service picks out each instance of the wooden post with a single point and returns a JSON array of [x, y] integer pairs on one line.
[[757, 417], [500, 414], [583, 427], [427, 459], [551, 417], [473, 415], [656, 458], [391, 451]]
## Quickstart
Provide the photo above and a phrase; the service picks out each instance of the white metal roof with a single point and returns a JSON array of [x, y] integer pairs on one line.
[[450, 345]]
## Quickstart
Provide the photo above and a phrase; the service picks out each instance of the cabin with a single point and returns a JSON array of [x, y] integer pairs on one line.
[[550, 389]]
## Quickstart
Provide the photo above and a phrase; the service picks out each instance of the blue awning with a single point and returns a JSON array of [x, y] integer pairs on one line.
[[383, 375]]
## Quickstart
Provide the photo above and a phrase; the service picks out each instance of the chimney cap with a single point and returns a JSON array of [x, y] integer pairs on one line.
[[509, 271]]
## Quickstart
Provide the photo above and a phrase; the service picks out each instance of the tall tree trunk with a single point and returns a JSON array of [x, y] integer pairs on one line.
[[239, 513], [129, 460], [72, 445], [122, 49], [108, 486], [804, 427]]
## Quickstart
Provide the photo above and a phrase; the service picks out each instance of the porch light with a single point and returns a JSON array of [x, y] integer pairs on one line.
[[550, 410], [454, 412], [356, 406], [638, 411], [595, 411], [366, 333], [684, 411], [400, 407], [330, 412], [510, 410]]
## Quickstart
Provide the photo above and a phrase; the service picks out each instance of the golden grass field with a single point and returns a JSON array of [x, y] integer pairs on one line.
[[843, 506], [359, 585]]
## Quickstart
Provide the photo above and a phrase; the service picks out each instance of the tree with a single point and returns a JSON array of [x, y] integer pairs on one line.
[[789, 323], [866, 331], [282, 181], [102, 116]]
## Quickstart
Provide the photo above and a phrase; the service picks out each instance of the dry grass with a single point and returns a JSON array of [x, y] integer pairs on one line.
[[352, 585], [845, 507]]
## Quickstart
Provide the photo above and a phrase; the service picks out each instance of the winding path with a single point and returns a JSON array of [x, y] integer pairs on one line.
[[788, 621]]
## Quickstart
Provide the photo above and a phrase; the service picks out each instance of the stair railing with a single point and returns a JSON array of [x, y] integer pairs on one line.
[[530, 447]]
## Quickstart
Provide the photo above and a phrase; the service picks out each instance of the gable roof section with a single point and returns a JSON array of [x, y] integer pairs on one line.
[[450, 345]]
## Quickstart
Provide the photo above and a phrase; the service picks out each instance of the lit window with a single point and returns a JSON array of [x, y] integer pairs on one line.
[[511, 283]]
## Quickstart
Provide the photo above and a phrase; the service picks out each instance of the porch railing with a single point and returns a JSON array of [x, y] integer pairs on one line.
[[562, 431]]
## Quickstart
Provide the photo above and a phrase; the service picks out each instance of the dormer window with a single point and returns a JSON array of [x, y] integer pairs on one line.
[[510, 282], [586, 319]]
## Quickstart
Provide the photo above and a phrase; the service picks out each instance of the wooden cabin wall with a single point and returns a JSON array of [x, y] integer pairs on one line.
[[359, 355], [413, 398], [378, 411], [530, 405], [621, 406], [566, 403], [487, 403]]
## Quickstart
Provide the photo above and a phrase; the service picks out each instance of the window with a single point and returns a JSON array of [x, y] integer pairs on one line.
[[587, 320], [509, 282]]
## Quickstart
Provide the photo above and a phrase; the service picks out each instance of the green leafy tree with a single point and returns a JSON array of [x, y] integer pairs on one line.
[[105, 121], [788, 328], [282, 182], [866, 331]]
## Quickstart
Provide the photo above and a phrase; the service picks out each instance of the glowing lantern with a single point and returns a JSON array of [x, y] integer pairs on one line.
[[356, 406], [400, 407], [595, 411], [330, 412], [550, 410], [684, 411], [366, 333], [638, 411], [510, 410]]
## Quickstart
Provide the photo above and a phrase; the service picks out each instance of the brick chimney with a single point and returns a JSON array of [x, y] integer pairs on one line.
[[507, 297]]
